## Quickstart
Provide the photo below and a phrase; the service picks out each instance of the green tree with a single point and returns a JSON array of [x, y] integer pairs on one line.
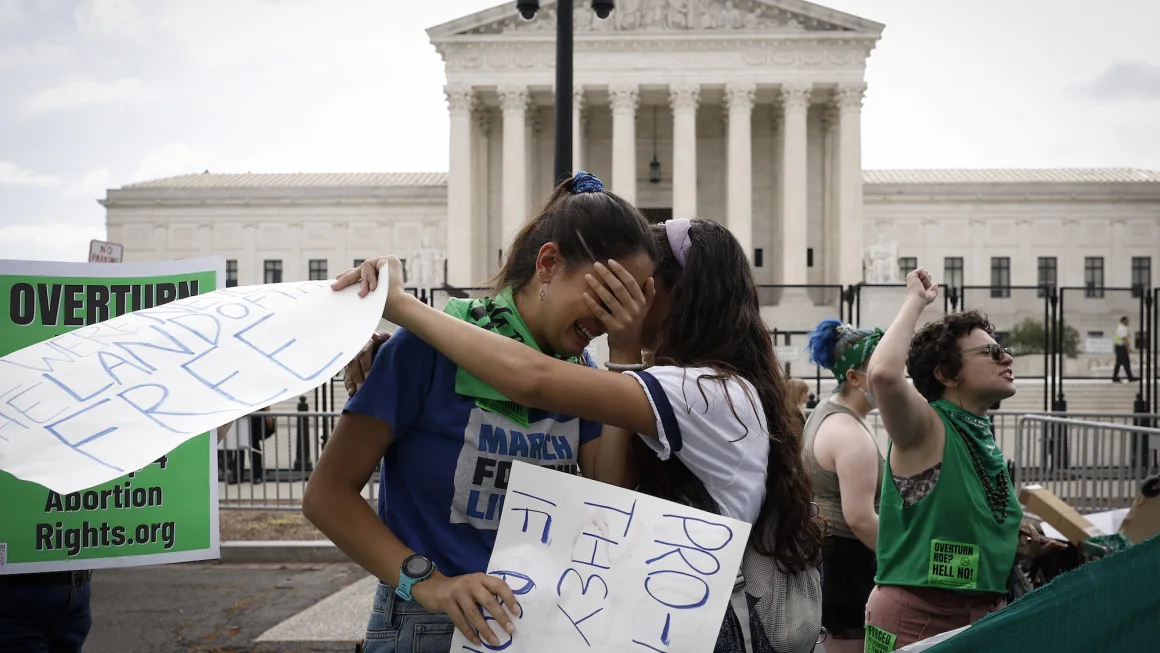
[[1029, 337]]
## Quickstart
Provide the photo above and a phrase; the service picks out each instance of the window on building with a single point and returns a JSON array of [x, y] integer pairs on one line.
[[1000, 276], [1048, 275], [359, 261], [231, 274], [1093, 276], [272, 272], [906, 265], [953, 273], [1141, 274], [318, 269]]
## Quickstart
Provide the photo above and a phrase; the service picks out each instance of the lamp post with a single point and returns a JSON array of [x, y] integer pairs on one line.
[[528, 9]]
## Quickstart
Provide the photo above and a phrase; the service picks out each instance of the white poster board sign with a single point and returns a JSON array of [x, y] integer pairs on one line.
[[93, 404], [102, 252], [600, 568]]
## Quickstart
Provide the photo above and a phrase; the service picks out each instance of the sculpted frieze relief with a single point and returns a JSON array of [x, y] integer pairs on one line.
[[694, 52], [668, 16]]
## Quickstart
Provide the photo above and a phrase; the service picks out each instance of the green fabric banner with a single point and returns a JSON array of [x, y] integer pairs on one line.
[[1110, 604]]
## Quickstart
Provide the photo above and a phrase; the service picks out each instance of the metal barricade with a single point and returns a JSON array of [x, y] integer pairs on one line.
[[272, 474], [263, 470], [1092, 465]]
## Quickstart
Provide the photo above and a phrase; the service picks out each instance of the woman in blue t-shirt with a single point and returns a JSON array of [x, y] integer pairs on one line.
[[447, 439], [708, 406]]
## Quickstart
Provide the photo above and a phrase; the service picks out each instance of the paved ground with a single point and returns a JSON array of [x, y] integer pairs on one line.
[[216, 608]]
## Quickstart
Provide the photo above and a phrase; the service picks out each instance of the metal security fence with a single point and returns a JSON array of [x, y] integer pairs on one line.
[[1093, 466], [271, 473]]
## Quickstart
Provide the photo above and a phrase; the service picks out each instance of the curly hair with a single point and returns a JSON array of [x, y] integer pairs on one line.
[[935, 348]]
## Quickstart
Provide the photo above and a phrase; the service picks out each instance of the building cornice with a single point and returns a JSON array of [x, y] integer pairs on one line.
[[126, 198], [777, 56]]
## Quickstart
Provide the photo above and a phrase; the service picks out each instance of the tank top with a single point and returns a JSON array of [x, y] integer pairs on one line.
[[951, 538], [827, 494]]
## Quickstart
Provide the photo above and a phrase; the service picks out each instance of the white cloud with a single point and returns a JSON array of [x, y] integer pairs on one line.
[[11, 12], [81, 92], [13, 175], [94, 183], [172, 160], [34, 55], [109, 17], [48, 242]]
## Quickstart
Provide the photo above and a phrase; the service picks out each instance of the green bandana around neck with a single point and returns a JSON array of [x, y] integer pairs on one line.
[[856, 354], [989, 463], [499, 315]]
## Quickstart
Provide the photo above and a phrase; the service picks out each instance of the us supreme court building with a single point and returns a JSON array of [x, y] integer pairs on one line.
[[748, 112]]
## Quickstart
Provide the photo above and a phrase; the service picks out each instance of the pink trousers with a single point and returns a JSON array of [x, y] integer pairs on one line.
[[912, 614]]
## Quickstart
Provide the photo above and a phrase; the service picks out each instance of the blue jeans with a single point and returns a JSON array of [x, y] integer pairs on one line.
[[44, 613], [398, 626]]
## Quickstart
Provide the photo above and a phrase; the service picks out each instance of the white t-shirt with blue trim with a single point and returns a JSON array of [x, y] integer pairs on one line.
[[716, 428]]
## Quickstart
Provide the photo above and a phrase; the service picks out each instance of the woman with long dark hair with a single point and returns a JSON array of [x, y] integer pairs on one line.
[[423, 415], [709, 401]]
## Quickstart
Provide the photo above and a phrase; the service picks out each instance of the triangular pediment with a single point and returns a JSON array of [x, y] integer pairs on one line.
[[661, 16]]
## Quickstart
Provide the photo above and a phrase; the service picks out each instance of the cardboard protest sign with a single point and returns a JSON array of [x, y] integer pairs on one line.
[[165, 512], [90, 405], [600, 568]]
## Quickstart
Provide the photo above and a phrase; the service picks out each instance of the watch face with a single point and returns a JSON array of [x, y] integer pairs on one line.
[[416, 566]]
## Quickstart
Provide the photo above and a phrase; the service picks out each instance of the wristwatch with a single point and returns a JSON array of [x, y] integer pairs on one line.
[[415, 568]]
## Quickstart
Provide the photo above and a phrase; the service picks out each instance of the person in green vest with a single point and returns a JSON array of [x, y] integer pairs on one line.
[[949, 520]]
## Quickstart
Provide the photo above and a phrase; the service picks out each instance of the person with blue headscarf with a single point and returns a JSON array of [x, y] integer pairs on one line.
[[846, 466]]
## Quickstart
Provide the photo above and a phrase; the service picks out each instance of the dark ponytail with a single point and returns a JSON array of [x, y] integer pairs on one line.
[[586, 222]]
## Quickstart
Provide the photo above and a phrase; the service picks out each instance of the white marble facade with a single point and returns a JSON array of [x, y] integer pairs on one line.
[[752, 108]]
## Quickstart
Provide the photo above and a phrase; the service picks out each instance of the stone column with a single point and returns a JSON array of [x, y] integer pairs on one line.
[[683, 99], [205, 239], [795, 99], [849, 191], [624, 102], [577, 129], [739, 174], [830, 193], [461, 231], [161, 241], [345, 262], [292, 269], [514, 101], [482, 254], [252, 270]]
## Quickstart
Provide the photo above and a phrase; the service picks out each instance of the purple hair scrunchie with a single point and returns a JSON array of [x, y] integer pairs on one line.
[[678, 233]]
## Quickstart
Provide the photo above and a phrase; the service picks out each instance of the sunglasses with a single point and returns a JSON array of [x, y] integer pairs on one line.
[[994, 350]]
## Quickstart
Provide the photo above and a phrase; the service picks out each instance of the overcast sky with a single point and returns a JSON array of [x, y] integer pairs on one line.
[[100, 93]]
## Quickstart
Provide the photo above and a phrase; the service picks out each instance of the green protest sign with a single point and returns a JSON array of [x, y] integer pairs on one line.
[[166, 512]]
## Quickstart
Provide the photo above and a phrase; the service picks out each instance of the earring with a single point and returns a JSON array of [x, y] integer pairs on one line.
[[542, 287]]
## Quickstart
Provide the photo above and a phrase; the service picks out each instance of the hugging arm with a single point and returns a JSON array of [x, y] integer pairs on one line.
[[526, 376]]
